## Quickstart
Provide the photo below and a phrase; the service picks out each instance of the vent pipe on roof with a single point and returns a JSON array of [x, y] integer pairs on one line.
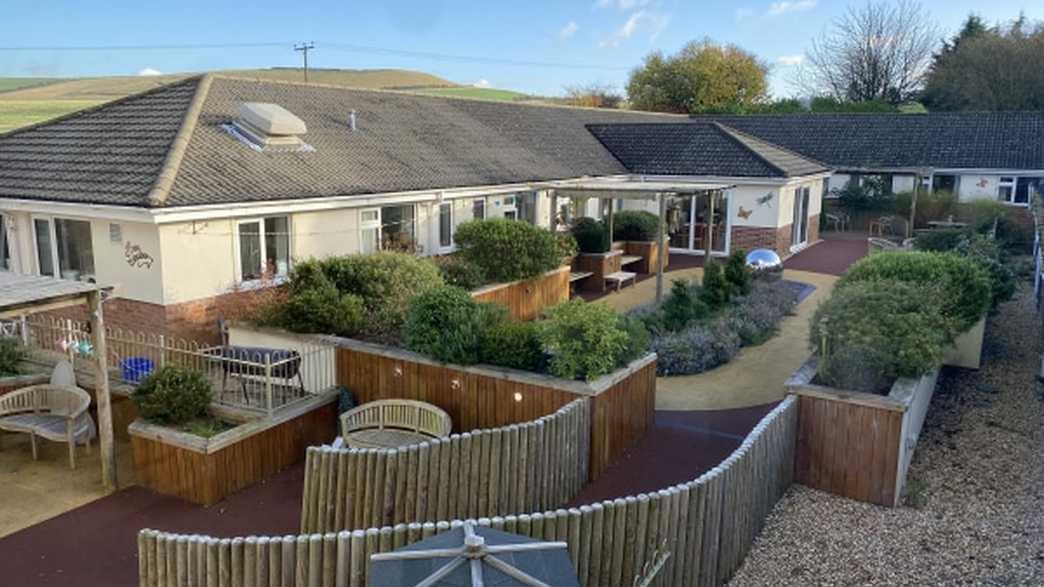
[[351, 121]]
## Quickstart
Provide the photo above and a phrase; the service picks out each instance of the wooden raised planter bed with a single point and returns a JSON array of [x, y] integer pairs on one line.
[[854, 444], [598, 265], [482, 396], [526, 299], [206, 470], [649, 253]]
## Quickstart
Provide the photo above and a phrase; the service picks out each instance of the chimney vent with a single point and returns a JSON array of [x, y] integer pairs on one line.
[[351, 120]]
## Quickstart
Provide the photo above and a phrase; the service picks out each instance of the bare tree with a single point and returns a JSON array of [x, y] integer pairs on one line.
[[882, 51], [593, 95]]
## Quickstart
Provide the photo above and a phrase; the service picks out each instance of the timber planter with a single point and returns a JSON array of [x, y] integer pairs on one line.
[[599, 265], [855, 444], [483, 396], [206, 470], [526, 299], [649, 253]]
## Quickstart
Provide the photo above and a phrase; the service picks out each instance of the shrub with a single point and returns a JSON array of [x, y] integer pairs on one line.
[[965, 285], [987, 254], [172, 395], [682, 306], [738, 274], [716, 288], [591, 235], [322, 310], [986, 213], [585, 340], [756, 316], [11, 354], [941, 241], [872, 195], [447, 324], [385, 282], [880, 329], [515, 345], [696, 349], [567, 246], [461, 272], [507, 250], [635, 225]]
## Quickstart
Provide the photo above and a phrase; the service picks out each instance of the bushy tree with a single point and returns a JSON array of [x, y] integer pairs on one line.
[[703, 77], [593, 95]]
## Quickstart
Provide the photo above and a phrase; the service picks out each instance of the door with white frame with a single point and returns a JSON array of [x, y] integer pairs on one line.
[[63, 248], [799, 227], [699, 223], [444, 227]]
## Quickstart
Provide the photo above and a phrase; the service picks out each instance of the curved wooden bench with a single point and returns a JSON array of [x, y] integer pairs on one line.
[[55, 412], [391, 423]]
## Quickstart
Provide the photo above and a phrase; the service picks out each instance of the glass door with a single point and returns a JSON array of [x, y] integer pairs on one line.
[[710, 216], [679, 222], [799, 227]]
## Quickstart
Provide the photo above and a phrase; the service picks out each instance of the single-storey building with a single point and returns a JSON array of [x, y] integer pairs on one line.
[[191, 193]]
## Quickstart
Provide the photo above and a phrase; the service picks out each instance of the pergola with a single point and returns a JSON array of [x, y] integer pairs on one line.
[[630, 188], [22, 295]]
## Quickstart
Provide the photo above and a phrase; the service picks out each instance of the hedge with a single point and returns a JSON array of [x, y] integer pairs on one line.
[[508, 250]]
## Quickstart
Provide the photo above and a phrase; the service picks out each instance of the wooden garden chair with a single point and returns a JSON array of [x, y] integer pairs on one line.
[[55, 412]]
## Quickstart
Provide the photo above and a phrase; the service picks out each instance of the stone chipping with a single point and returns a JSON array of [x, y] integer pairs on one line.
[[973, 510]]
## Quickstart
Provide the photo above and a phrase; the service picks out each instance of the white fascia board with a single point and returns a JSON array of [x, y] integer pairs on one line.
[[740, 180], [78, 210], [987, 171]]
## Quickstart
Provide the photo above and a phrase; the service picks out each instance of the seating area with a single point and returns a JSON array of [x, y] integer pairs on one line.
[[54, 412], [393, 423]]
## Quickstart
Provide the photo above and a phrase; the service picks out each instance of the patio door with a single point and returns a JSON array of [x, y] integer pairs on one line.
[[799, 227], [699, 223]]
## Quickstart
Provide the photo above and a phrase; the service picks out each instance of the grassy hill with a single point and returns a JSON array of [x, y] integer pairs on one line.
[[478, 93], [26, 101]]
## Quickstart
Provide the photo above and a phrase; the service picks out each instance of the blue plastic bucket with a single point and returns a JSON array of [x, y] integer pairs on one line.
[[134, 369]]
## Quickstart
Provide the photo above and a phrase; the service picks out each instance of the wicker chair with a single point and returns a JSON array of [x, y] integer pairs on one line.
[[55, 412], [393, 422]]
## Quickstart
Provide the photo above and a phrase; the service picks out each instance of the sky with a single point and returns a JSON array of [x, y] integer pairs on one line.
[[536, 46]]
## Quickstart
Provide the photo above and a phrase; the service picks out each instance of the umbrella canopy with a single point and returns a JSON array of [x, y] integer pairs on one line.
[[475, 556]]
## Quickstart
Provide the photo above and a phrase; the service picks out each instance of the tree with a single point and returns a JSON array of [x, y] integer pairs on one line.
[[881, 51], [998, 68], [703, 77], [593, 95]]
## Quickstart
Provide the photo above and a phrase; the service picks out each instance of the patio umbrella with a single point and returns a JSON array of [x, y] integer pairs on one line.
[[473, 556]]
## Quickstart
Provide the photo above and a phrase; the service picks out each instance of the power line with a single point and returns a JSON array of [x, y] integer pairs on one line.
[[466, 58], [145, 47], [304, 48]]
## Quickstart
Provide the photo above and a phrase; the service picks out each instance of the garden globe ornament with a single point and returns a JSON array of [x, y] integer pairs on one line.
[[765, 264]]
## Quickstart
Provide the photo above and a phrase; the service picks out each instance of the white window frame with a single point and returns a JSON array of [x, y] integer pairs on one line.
[[485, 205], [378, 224], [1001, 184], [260, 220], [6, 229], [55, 258], [441, 248], [512, 209]]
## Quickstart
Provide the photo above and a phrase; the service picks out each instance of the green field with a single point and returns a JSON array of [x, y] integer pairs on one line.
[[16, 113], [476, 93], [10, 84]]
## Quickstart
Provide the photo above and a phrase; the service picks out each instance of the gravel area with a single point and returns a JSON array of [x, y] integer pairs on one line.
[[974, 512]]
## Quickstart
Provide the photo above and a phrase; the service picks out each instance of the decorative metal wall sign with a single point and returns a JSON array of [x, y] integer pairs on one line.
[[136, 257]]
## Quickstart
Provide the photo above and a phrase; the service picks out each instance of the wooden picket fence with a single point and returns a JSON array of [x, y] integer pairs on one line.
[[521, 467], [695, 533]]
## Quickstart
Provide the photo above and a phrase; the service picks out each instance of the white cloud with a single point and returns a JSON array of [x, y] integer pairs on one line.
[[621, 4], [482, 83], [568, 30], [652, 22], [150, 71], [785, 6], [743, 14], [790, 60]]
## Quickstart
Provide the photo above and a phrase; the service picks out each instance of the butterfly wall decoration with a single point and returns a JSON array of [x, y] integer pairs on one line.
[[766, 199], [744, 213]]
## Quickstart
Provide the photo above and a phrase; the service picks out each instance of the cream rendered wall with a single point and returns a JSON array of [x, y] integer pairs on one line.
[[978, 187], [755, 205], [198, 259], [786, 200], [324, 234]]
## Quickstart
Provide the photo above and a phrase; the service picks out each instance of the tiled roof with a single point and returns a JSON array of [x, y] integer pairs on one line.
[[939, 140], [698, 148], [108, 154], [115, 153]]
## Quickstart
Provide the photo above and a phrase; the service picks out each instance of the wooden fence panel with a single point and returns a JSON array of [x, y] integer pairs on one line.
[[526, 300], [696, 533]]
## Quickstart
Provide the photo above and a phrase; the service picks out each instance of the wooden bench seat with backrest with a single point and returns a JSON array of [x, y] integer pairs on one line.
[[393, 422], [55, 412]]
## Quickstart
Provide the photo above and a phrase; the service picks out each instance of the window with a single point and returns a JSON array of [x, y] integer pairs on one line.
[[445, 225], [478, 209], [390, 228], [1006, 189], [264, 247], [944, 183], [1024, 187], [64, 248], [510, 204]]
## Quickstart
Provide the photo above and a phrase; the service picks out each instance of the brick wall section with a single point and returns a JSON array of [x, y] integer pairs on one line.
[[748, 238], [813, 229]]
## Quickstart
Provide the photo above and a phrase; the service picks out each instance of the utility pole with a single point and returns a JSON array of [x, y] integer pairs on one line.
[[304, 48]]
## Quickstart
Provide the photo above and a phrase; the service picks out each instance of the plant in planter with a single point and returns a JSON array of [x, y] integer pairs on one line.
[[173, 396], [447, 324], [592, 236], [11, 354], [586, 341], [635, 225], [507, 250], [515, 345], [461, 272], [868, 333], [965, 285]]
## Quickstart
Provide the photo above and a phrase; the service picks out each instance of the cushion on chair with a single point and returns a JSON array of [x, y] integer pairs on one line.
[[48, 426]]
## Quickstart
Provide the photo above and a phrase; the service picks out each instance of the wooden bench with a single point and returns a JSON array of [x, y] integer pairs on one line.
[[620, 278], [578, 275], [629, 259], [391, 423], [55, 412]]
